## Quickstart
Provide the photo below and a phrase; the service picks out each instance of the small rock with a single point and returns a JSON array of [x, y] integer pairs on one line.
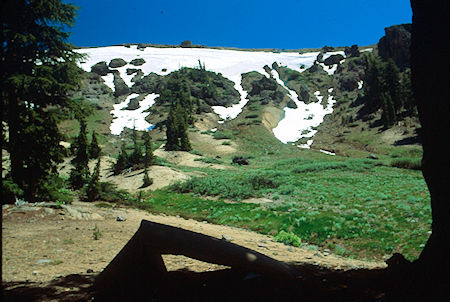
[[318, 255], [226, 238], [121, 218], [326, 253], [372, 156], [49, 211], [261, 245], [204, 221], [289, 248], [42, 261], [35, 273], [90, 271]]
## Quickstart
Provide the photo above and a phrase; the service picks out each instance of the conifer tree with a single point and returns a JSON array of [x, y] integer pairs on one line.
[[122, 161], [388, 116], [94, 148], [80, 171], [93, 188], [148, 157], [147, 181], [38, 69], [135, 157], [391, 76]]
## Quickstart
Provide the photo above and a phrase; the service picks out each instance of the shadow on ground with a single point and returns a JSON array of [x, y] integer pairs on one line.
[[316, 284]]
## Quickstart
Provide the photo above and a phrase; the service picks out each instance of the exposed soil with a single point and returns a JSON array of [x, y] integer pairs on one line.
[[41, 233], [51, 255]]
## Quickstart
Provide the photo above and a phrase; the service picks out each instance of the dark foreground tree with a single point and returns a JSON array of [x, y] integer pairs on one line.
[[38, 69], [431, 92]]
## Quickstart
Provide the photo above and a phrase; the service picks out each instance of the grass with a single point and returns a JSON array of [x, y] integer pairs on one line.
[[209, 160], [355, 207]]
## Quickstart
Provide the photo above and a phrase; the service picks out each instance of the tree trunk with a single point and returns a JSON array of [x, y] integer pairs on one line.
[[429, 66]]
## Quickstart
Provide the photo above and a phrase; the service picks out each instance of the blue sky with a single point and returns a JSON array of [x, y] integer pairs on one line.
[[283, 24]]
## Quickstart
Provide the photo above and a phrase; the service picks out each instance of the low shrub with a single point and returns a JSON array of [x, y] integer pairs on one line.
[[251, 115], [222, 135], [407, 163], [288, 238]]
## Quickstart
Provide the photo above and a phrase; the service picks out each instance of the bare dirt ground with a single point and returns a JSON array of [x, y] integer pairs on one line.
[[132, 180], [42, 243]]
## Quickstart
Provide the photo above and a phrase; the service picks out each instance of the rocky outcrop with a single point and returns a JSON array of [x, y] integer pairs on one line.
[[116, 63], [120, 87], [100, 68], [130, 71], [396, 45], [351, 52], [151, 83], [137, 62], [333, 59]]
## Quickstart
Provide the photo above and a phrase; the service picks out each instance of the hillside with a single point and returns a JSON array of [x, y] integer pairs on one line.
[[287, 145]]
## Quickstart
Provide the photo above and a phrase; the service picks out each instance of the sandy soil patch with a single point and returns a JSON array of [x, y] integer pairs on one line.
[[133, 180], [34, 235], [187, 159]]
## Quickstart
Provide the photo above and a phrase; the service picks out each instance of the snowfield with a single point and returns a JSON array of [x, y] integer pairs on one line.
[[132, 118], [230, 63]]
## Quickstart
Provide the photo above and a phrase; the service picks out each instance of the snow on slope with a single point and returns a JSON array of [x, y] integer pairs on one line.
[[297, 123], [231, 63], [132, 118]]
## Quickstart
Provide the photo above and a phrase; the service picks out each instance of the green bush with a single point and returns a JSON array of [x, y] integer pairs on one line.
[[222, 135], [10, 191], [288, 238], [407, 163]]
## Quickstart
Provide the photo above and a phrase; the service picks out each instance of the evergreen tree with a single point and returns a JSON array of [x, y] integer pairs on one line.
[[148, 157], [93, 188], [80, 171], [373, 83], [391, 76], [122, 161], [38, 69], [135, 157], [94, 148], [388, 116], [147, 181]]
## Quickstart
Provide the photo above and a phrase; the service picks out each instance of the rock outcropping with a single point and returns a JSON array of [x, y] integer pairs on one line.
[[396, 45]]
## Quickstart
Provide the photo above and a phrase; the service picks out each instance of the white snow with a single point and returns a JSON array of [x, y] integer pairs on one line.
[[109, 80], [230, 63], [213, 130], [329, 69], [298, 123], [327, 152], [367, 49], [131, 118], [360, 84]]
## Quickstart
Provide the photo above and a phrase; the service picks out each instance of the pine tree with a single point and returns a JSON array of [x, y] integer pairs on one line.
[[122, 161], [38, 69], [93, 188], [373, 83], [148, 157], [80, 171], [135, 157], [94, 148], [147, 181], [388, 116], [391, 76]]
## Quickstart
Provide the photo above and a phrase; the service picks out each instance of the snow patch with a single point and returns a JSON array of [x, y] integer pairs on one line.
[[132, 118], [300, 122], [327, 152], [109, 81], [360, 84]]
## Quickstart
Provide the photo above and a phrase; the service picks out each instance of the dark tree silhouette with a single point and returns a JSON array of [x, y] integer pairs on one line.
[[429, 66], [38, 69]]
